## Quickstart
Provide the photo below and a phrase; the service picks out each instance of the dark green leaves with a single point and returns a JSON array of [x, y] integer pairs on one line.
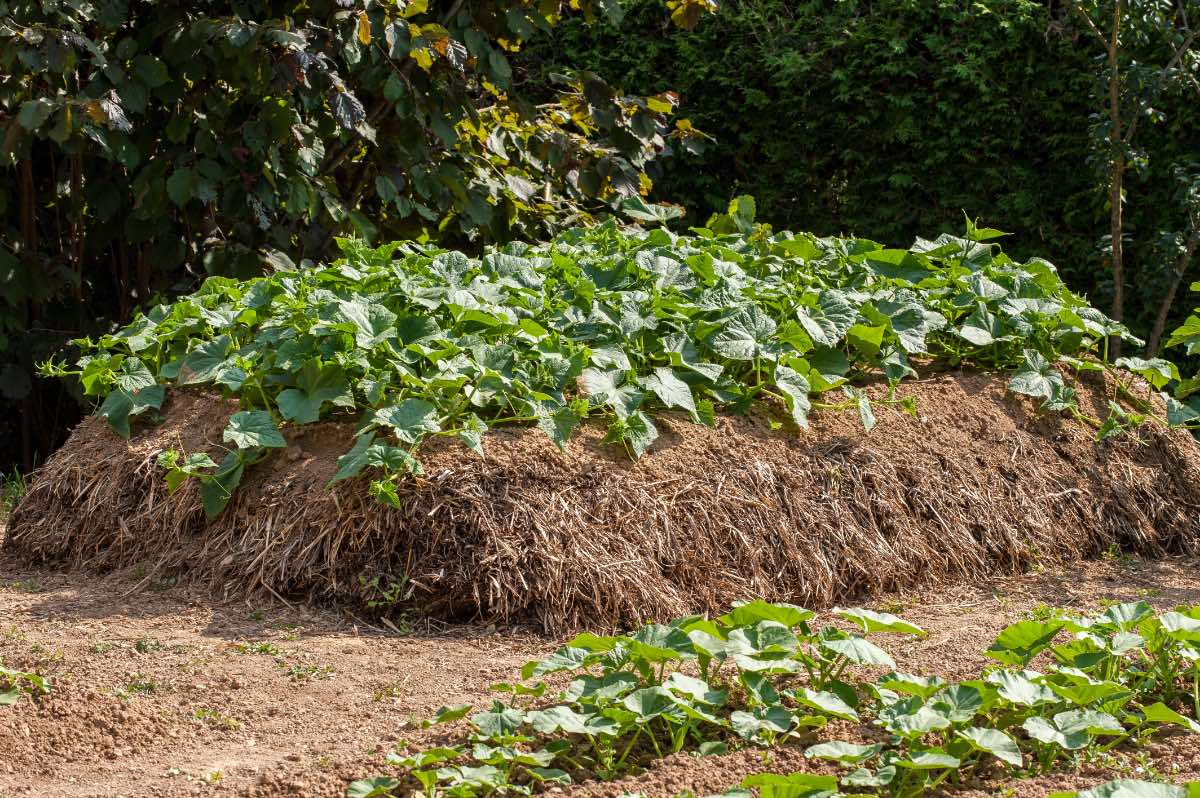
[[795, 390], [251, 429], [670, 390], [316, 385], [204, 362], [1036, 377], [830, 320], [409, 420], [119, 405], [746, 335], [1021, 642]]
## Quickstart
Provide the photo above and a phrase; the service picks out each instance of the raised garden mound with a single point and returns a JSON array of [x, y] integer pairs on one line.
[[979, 483]]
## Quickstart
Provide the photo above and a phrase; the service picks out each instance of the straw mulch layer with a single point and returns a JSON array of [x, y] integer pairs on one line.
[[977, 484]]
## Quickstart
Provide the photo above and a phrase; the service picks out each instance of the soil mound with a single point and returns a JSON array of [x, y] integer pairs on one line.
[[977, 483]]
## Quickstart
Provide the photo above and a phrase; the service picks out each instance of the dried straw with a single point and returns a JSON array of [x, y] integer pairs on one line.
[[979, 484]]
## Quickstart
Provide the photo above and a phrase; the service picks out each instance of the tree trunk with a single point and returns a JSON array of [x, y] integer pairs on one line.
[[1117, 218]]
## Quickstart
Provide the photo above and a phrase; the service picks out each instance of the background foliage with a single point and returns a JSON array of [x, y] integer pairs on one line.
[[889, 118], [144, 145]]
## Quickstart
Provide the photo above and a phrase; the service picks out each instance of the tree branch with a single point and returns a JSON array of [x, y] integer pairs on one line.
[[1154, 342]]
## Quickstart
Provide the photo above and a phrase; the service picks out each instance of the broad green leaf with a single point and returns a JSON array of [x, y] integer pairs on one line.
[[1159, 712], [410, 420], [929, 760], [447, 714], [922, 686], [658, 643], [648, 702], [1020, 642], [377, 787], [204, 362], [559, 718], [371, 322], [670, 390], [354, 461], [751, 612], [217, 490], [120, 404], [745, 336], [1036, 377], [860, 651], [1019, 688], [795, 389], [982, 328], [253, 428], [316, 385], [793, 785], [566, 658], [1156, 371], [826, 702], [499, 721], [959, 702], [993, 741], [830, 320], [915, 724], [770, 720], [847, 753], [638, 208], [871, 621]]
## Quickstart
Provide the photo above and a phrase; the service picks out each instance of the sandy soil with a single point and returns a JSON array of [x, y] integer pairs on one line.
[[161, 691]]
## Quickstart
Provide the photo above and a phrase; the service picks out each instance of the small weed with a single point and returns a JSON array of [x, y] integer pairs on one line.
[[387, 594], [148, 645], [390, 692], [12, 488], [1117, 556], [214, 717], [214, 778], [102, 647], [140, 685], [31, 585], [305, 672], [257, 648], [1043, 613]]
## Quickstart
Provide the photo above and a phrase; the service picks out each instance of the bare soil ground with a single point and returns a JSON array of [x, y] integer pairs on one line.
[[160, 691]]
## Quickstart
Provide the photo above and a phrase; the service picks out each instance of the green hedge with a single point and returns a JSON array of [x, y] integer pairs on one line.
[[890, 118]]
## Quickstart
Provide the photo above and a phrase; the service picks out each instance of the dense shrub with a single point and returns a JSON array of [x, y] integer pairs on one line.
[[143, 145]]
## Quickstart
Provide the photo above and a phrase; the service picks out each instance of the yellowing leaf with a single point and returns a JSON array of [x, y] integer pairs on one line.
[[414, 7], [422, 56]]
